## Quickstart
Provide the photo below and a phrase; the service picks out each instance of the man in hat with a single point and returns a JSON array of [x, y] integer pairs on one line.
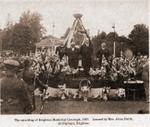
[[86, 52], [103, 51], [73, 56], [14, 97], [60, 51], [29, 78]]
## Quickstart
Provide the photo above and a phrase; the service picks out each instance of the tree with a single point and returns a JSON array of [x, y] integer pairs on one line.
[[110, 38], [33, 21], [97, 40], [21, 38], [139, 38], [123, 43], [6, 36]]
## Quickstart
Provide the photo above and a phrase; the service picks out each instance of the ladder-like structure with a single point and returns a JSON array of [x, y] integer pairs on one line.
[[77, 33]]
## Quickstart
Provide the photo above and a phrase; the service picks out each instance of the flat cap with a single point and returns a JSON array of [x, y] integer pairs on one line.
[[11, 62]]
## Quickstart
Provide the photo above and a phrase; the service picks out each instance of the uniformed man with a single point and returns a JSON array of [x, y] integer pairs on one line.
[[33, 81], [14, 97], [29, 78], [73, 56]]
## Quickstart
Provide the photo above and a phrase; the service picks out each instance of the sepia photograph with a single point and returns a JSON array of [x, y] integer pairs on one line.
[[74, 57]]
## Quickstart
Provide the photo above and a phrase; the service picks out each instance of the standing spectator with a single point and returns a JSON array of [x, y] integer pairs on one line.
[[60, 51], [29, 77], [145, 77], [139, 66], [103, 51], [43, 54], [73, 56], [14, 97], [86, 52]]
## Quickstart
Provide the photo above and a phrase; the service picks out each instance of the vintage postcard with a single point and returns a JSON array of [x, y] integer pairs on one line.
[[74, 63]]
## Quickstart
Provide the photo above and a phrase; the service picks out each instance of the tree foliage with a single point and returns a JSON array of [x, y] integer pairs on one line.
[[21, 38], [6, 37], [33, 21], [110, 39], [23, 35], [139, 38], [107, 38], [97, 40]]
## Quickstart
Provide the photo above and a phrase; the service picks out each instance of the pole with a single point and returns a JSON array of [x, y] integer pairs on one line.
[[114, 50]]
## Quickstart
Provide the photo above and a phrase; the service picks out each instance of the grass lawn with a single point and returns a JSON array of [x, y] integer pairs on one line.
[[91, 107]]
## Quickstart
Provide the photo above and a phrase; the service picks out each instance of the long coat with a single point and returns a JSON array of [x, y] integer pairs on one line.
[[86, 53], [14, 97], [60, 51], [29, 77], [73, 57]]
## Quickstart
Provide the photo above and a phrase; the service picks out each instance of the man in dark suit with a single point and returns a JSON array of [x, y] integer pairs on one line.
[[103, 51], [86, 52], [73, 56], [14, 95], [60, 51]]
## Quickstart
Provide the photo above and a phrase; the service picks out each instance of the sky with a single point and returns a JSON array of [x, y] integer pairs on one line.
[[97, 14]]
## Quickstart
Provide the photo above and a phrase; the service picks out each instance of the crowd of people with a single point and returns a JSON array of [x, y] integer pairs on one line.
[[22, 74]]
